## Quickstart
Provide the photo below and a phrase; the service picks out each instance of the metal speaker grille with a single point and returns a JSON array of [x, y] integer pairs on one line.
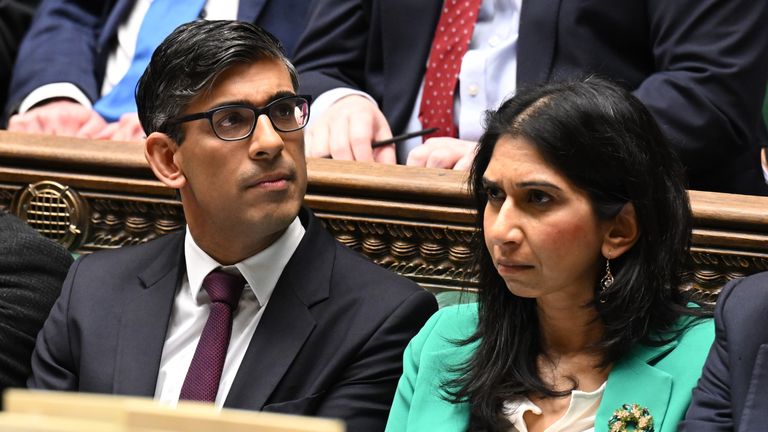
[[54, 210], [49, 214]]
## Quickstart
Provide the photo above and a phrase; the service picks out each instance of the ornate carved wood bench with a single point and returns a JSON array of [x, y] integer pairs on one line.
[[91, 195]]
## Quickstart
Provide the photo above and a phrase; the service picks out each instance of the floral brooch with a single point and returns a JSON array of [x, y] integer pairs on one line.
[[631, 418]]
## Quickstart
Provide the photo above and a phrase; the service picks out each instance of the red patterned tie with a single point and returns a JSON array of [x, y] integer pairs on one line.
[[457, 22], [204, 374]]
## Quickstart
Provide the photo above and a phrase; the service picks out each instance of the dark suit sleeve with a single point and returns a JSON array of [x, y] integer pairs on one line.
[[710, 408], [15, 17], [711, 61], [333, 49], [31, 271], [59, 47], [53, 361], [364, 394], [731, 394]]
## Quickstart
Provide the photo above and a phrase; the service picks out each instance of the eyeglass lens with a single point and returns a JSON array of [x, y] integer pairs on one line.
[[286, 115]]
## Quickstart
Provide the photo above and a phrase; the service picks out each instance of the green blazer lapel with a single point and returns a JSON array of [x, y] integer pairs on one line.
[[634, 380]]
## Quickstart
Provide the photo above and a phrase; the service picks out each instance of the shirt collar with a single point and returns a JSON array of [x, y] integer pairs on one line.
[[261, 270]]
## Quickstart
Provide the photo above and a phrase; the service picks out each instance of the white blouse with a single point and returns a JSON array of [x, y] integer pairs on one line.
[[580, 416]]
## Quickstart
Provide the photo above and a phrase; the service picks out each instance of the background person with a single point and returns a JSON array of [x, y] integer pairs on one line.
[[586, 226], [699, 66], [75, 75], [32, 269], [15, 17]]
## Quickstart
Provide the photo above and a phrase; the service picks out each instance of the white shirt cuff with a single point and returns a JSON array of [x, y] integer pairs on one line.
[[53, 91], [325, 100]]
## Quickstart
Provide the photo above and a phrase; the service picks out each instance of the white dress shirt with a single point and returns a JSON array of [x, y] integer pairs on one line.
[[120, 57], [191, 306], [580, 416], [487, 77]]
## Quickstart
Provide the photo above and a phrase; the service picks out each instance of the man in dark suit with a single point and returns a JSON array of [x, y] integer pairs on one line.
[[32, 268], [732, 394], [74, 51], [700, 67], [318, 329]]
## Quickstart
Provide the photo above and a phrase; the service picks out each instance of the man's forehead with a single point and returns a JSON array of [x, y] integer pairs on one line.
[[254, 82]]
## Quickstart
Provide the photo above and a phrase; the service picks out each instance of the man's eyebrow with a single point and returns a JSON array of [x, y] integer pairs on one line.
[[275, 96]]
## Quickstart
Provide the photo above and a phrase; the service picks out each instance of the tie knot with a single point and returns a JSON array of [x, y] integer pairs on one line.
[[223, 287]]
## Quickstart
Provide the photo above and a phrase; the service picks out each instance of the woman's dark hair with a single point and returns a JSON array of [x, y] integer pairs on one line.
[[190, 59], [605, 141]]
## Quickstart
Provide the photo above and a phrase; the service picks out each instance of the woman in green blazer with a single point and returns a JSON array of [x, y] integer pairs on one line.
[[580, 323]]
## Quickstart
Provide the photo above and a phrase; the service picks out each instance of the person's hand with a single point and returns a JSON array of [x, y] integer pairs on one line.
[[346, 131], [443, 152], [59, 117], [128, 128]]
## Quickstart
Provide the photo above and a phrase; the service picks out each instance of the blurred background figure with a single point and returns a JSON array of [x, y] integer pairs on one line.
[[382, 67], [15, 17], [78, 66], [32, 270]]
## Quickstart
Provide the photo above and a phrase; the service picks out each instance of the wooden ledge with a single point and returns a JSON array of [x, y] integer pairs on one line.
[[416, 221]]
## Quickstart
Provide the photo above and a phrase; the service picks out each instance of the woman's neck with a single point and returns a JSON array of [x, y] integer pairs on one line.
[[568, 328]]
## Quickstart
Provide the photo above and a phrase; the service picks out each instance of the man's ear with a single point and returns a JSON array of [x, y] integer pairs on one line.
[[622, 233], [159, 149]]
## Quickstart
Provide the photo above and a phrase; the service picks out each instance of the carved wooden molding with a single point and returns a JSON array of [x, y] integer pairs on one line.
[[417, 222]]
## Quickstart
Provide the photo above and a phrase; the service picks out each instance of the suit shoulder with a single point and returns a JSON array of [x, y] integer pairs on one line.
[[19, 241], [358, 269], [379, 291], [133, 256], [742, 303], [749, 292]]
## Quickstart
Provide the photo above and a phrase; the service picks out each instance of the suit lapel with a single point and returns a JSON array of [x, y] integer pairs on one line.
[[537, 40], [148, 302], [287, 321], [634, 381], [117, 14], [249, 10]]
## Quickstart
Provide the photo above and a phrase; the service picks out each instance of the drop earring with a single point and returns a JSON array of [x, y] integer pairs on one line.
[[607, 280]]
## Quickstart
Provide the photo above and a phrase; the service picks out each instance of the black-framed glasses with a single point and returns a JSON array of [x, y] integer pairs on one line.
[[236, 122]]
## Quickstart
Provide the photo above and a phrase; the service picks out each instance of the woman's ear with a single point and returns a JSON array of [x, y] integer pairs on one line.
[[159, 149], [622, 233]]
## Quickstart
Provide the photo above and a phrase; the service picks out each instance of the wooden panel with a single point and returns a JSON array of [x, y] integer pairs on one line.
[[99, 412], [417, 222]]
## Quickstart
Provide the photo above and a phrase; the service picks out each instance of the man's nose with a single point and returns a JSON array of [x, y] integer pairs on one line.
[[266, 142]]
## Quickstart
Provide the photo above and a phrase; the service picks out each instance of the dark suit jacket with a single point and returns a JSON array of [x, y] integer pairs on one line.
[[732, 394], [15, 17], [32, 269], [699, 65], [70, 40], [330, 342]]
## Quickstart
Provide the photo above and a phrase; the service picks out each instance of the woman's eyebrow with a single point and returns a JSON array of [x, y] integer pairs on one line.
[[537, 183]]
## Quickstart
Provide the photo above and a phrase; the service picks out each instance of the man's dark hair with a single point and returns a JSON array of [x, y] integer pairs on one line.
[[605, 141], [188, 61]]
